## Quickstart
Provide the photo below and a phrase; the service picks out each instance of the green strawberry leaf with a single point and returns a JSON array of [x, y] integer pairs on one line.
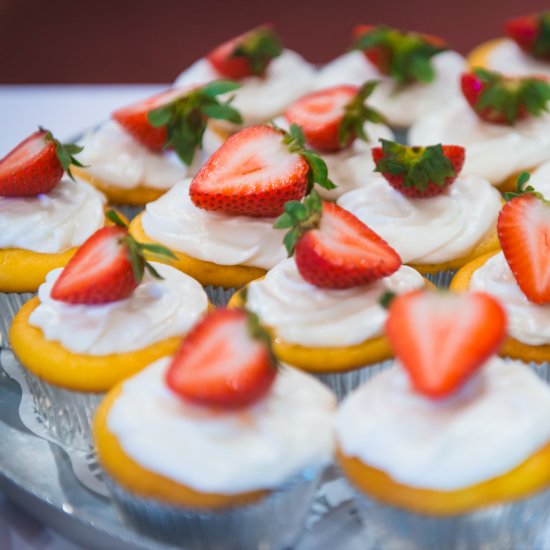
[[259, 47], [219, 87]]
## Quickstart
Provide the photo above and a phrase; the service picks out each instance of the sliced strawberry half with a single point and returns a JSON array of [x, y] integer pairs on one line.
[[36, 165], [331, 119], [134, 119], [524, 232], [442, 338], [531, 33], [223, 362], [333, 248], [253, 174], [418, 172], [107, 267], [405, 56], [248, 54]]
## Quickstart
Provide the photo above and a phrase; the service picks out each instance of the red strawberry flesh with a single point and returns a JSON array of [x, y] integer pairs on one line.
[[251, 174], [220, 365]]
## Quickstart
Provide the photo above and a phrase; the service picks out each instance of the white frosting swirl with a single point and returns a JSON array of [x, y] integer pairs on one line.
[[115, 157], [527, 322], [431, 230], [401, 106], [487, 428], [176, 222], [494, 151], [156, 310], [52, 222], [302, 313], [260, 99], [353, 166], [540, 179], [261, 447], [508, 58]]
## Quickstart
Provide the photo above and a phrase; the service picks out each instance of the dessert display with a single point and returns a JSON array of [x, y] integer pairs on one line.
[[436, 217], [441, 448], [418, 73], [503, 122], [260, 437], [220, 224], [340, 126], [524, 51], [103, 317], [44, 217], [275, 187], [147, 147], [271, 76], [323, 304], [518, 276]]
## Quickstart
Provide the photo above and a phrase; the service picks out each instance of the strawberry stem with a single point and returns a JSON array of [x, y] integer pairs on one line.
[[259, 47], [65, 152]]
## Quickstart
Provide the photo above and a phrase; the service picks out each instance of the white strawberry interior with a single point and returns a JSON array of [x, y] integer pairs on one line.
[[253, 164], [22, 155]]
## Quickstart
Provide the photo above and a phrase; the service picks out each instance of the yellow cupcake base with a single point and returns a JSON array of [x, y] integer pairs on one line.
[[144, 483], [207, 273], [61, 367], [511, 348], [532, 476]]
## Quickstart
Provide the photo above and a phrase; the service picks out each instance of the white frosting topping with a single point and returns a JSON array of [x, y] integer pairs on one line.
[[176, 222], [261, 447], [402, 106], [508, 58], [302, 313], [156, 310], [431, 230], [260, 99], [52, 222], [540, 179], [352, 167], [527, 322], [490, 426], [494, 151], [115, 157]]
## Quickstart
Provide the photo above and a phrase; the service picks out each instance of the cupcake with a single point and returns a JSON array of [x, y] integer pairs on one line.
[[322, 306], [503, 122], [339, 125], [435, 217], [214, 447], [518, 277], [220, 223], [44, 217], [417, 72], [102, 318], [523, 52], [449, 448], [147, 147], [271, 77]]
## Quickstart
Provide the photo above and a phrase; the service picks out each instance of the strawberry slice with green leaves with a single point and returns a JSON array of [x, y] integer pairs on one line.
[[442, 338], [36, 165], [108, 267], [405, 56], [332, 248], [524, 231], [333, 118], [246, 55], [531, 33], [418, 172], [178, 117], [503, 99], [225, 361], [256, 171]]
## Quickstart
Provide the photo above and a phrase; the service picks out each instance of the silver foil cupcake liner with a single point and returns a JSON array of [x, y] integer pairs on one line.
[[273, 523], [509, 526], [542, 369], [66, 415], [345, 382], [128, 211], [10, 304], [441, 279], [218, 295]]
